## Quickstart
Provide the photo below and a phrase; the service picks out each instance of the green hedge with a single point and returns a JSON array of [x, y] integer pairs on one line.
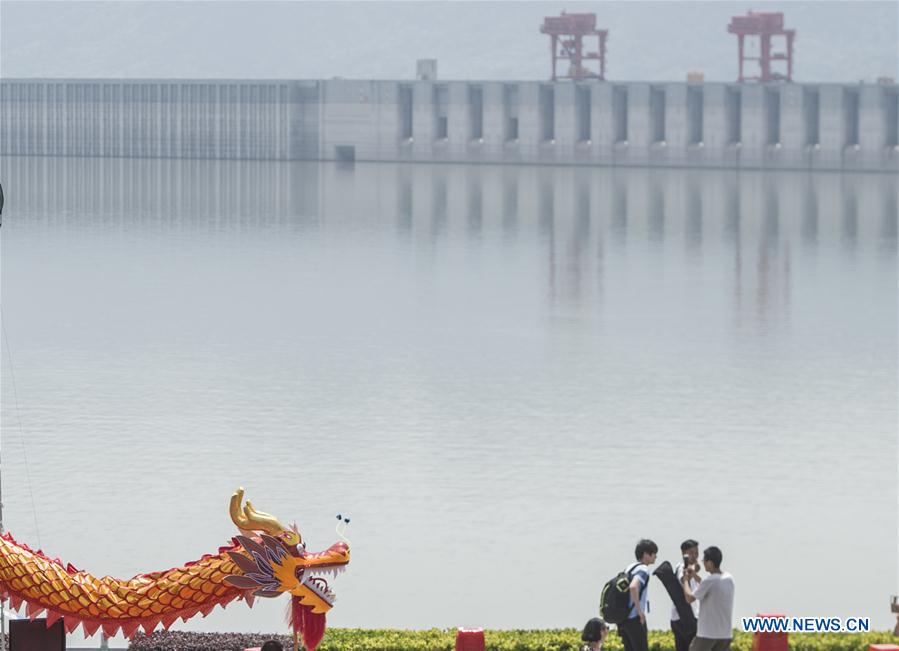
[[347, 639], [356, 639]]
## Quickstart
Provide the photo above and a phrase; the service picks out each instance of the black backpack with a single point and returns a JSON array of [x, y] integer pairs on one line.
[[614, 602]]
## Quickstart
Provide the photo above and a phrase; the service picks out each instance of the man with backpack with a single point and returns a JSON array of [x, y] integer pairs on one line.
[[633, 629]]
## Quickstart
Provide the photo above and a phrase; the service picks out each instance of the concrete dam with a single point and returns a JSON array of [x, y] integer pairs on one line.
[[840, 127]]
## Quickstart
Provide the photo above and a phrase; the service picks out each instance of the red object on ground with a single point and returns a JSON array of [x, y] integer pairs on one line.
[[470, 639], [770, 641], [884, 647]]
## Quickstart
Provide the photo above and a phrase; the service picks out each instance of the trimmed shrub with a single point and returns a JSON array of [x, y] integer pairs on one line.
[[567, 639]]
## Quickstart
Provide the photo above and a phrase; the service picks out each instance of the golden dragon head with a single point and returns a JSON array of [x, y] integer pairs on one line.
[[274, 561]]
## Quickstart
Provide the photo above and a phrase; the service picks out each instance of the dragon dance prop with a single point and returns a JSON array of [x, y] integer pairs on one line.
[[267, 559]]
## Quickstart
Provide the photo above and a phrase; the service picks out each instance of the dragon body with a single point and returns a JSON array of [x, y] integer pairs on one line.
[[265, 560]]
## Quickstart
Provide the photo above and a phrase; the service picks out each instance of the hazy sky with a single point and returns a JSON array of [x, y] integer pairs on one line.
[[836, 41]]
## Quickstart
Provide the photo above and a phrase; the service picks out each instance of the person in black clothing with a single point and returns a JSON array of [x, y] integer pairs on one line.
[[684, 632], [595, 632], [633, 629], [272, 645]]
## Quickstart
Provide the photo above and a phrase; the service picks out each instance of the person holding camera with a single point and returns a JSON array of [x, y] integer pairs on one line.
[[684, 632], [715, 594]]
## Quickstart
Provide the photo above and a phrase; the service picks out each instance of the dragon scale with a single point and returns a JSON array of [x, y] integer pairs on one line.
[[266, 560], [146, 600]]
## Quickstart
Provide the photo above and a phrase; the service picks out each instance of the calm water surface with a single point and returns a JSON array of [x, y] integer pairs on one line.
[[504, 376]]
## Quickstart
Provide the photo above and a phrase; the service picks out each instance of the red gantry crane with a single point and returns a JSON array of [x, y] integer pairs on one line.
[[567, 34], [764, 25]]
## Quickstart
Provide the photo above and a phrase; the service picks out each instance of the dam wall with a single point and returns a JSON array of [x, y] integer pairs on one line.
[[713, 125]]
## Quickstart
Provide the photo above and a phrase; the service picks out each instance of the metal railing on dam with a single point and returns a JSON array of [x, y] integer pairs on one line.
[[746, 126]]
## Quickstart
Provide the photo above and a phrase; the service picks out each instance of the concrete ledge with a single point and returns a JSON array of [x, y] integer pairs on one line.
[[853, 127]]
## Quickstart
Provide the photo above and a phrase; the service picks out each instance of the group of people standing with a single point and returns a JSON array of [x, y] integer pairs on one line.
[[711, 598]]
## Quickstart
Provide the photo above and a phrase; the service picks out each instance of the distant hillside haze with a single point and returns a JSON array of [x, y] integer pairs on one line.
[[836, 41]]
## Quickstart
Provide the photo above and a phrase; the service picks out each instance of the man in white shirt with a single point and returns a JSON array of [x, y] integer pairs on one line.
[[685, 631], [716, 597]]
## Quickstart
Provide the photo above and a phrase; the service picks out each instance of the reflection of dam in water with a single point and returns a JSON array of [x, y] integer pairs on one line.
[[633, 204], [751, 224]]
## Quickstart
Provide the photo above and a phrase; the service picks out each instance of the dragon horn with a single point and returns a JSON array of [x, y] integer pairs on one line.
[[249, 519]]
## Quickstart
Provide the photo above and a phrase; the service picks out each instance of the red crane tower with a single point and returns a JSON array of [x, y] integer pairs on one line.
[[567, 34], [765, 25]]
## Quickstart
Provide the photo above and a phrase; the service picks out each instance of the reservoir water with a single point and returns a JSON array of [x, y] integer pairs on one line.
[[505, 376]]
